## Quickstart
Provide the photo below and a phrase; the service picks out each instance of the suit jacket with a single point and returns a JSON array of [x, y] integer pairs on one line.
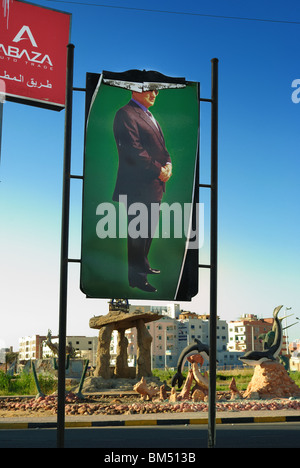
[[142, 153]]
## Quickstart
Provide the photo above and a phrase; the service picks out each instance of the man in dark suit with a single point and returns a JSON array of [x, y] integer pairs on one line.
[[144, 168]]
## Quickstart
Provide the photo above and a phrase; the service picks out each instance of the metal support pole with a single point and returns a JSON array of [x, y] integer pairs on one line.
[[64, 250], [213, 257]]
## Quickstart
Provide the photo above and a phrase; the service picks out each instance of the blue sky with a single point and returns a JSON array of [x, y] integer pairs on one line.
[[259, 158]]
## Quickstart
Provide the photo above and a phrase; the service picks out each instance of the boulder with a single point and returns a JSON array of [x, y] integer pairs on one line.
[[271, 380]]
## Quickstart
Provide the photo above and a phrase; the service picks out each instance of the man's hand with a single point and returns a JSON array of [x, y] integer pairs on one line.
[[165, 173]]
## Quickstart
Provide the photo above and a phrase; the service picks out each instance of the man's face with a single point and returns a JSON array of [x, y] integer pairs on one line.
[[147, 98]]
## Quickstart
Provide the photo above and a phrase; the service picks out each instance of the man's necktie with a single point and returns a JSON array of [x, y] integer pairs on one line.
[[151, 117]]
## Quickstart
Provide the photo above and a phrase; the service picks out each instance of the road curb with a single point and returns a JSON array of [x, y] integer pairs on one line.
[[148, 422]]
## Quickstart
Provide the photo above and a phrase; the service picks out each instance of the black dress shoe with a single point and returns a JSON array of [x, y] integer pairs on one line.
[[144, 286], [152, 271]]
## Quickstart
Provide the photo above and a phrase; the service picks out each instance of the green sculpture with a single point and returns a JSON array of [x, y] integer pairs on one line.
[[268, 340]]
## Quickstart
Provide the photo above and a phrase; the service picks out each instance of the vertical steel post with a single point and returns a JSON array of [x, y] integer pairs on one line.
[[213, 257], [64, 249]]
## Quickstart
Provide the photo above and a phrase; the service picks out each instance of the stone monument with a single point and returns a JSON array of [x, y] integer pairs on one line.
[[120, 318]]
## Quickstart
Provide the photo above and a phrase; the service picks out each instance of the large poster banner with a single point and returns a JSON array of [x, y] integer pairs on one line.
[[140, 193]]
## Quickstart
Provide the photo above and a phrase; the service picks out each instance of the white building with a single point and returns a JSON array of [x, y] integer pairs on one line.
[[295, 361], [130, 334], [244, 334], [164, 346], [171, 335], [171, 310], [294, 350], [85, 347], [30, 347], [197, 326]]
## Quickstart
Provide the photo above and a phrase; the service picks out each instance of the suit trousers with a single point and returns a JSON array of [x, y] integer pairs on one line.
[[141, 230]]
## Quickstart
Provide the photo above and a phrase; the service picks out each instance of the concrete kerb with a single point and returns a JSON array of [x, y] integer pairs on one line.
[[151, 419]]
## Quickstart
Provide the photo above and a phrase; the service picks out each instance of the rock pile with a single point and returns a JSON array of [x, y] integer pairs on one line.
[[271, 380], [118, 406]]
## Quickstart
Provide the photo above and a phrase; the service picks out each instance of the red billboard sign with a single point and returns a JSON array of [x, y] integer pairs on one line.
[[33, 54]]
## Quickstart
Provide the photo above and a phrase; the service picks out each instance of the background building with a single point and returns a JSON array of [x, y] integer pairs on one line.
[[170, 335], [164, 346], [30, 347], [245, 334], [197, 326], [85, 347], [294, 349]]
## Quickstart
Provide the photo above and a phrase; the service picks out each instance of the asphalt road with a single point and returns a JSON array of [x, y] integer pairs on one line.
[[266, 435]]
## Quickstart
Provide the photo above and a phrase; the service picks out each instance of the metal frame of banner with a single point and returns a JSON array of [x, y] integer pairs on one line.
[[64, 254], [213, 257], [64, 250], [213, 253]]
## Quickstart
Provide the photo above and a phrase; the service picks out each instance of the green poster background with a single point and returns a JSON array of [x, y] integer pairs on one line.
[[104, 272]]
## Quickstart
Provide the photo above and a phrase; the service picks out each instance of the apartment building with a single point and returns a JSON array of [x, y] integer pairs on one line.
[[294, 351], [34, 347], [164, 346], [31, 347], [131, 349], [164, 349], [85, 347], [171, 335], [171, 310], [244, 333], [197, 326]]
